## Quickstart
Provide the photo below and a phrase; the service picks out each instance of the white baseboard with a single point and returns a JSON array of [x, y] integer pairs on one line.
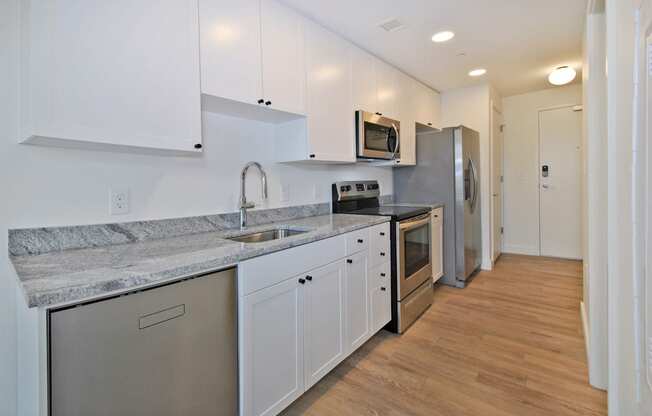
[[518, 249], [585, 327]]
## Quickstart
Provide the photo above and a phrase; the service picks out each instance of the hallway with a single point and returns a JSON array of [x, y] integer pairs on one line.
[[509, 344]]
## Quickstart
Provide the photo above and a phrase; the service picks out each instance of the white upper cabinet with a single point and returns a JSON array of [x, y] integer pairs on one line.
[[329, 97], [428, 102], [283, 51], [230, 49], [365, 93], [407, 116], [111, 73], [252, 52], [387, 89]]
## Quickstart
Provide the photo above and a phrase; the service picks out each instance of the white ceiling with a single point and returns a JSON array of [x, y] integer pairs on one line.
[[518, 41]]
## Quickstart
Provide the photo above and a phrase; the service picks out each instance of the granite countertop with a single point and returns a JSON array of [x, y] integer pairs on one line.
[[72, 275]]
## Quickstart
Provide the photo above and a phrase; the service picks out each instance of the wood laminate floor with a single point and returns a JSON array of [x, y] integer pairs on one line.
[[509, 344]]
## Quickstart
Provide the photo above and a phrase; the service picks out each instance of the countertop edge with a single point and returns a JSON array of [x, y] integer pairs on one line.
[[60, 298]]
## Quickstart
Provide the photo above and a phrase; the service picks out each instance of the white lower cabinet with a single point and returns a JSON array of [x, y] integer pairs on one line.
[[357, 300], [294, 329], [271, 360], [323, 321], [380, 297], [437, 243]]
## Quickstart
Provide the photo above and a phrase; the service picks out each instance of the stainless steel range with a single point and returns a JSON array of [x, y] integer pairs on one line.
[[411, 248]]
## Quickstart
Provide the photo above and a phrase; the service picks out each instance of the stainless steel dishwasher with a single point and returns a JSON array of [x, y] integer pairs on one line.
[[169, 350]]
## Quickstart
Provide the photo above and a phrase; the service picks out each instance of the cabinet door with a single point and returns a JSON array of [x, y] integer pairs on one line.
[[283, 57], [117, 72], [357, 300], [365, 93], [324, 316], [330, 119], [272, 333], [437, 244], [407, 117], [380, 298], [230, 49], [387, 79]]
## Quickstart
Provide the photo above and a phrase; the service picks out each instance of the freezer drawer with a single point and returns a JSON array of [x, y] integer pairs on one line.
[[170, 350]]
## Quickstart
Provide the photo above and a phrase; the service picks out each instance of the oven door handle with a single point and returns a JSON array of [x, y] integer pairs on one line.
[[415, 222]]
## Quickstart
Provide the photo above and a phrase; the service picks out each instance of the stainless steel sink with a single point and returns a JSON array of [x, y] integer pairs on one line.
[[268, 235]]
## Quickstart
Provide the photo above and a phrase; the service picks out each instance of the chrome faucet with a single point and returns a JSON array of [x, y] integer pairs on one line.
[[244, 205]]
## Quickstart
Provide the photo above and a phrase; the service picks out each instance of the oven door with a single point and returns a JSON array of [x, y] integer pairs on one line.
[[378, 137], [414, 254]]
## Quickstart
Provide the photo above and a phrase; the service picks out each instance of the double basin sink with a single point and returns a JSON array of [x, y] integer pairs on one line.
[[267, 235]]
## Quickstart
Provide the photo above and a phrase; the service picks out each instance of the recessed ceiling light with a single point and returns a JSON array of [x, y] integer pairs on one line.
[[444, 36], [562, 75], [477, 72]]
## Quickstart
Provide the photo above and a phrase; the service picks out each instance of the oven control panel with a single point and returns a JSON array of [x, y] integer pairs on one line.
[[343, 191]]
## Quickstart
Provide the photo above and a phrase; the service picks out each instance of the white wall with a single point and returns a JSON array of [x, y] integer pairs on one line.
[[595, 194], [471, 107], [47, 186], [521, 164]]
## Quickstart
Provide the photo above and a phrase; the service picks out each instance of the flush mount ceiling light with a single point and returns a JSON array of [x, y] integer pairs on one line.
[[477, 72], [444, 36], [562, 75]]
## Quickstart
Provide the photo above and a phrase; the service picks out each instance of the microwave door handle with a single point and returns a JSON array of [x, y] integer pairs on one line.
[[398, 141]]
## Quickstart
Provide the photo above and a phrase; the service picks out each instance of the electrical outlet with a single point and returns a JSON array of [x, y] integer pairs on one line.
[[285, 193], [119, 201]]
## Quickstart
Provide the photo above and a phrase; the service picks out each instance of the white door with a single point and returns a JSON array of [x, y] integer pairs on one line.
[[560, 132], [284, 66], [230, 49], [496, 181], [357, 300], [323, 321], [331, 124], [272, 373]]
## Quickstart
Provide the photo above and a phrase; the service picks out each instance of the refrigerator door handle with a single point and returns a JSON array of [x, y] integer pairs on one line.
[[474, 175]]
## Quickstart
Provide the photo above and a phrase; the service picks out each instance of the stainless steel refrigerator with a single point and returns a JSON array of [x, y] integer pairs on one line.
[[447, 171]]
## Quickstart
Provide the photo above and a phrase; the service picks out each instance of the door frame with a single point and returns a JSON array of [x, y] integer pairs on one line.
[[492, 122], [538, 167]]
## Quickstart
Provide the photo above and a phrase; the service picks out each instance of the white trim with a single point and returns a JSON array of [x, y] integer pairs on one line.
[[585, 331], [519, 249]]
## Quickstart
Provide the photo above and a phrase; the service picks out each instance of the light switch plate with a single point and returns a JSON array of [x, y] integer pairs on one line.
[[119, 201]]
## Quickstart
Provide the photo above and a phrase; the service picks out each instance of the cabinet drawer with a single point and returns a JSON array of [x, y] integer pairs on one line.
[[261, 272], [437, 215], [379, 246], [380, 275], [357, 241]]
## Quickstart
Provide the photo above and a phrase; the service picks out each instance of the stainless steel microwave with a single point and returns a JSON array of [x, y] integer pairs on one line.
[[377, 137]]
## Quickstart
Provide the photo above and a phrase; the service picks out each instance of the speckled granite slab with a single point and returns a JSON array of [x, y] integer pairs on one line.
[[74, 275], [46, 240]]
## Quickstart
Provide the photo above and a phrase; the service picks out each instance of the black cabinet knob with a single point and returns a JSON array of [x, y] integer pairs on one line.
[[430, 124], [349, 261], [268, 103], [198, 146], [302, 281], [382, 254], [382, 234], [261, 101], [383, 289], [312, 156], [309, 278], [383, 275], [360, 240], [436, 216], [379, 114]]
